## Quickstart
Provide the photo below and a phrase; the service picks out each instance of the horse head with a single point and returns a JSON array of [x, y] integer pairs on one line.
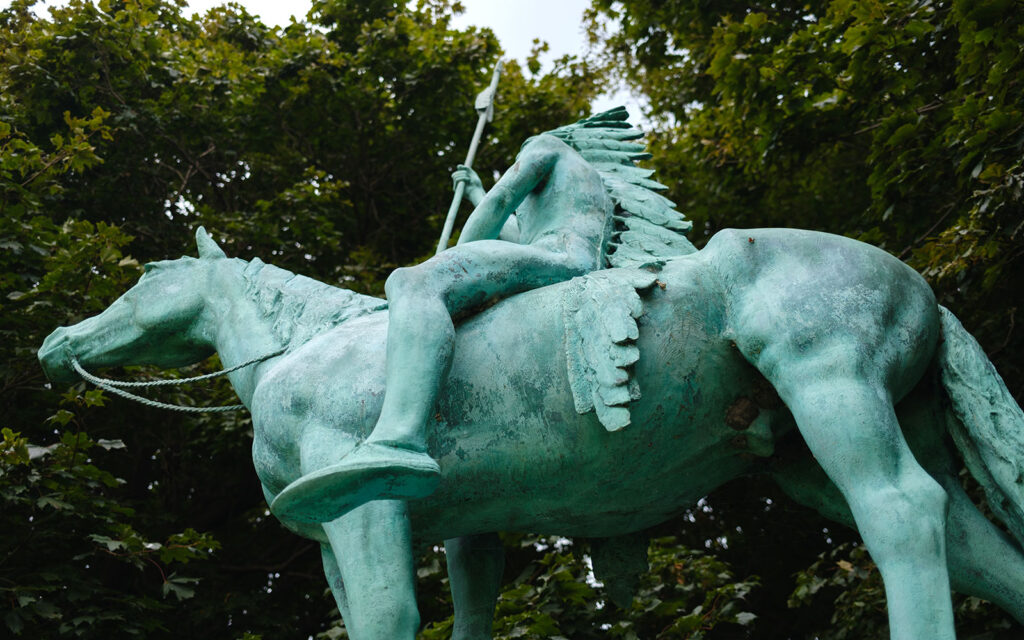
[[158, 321]]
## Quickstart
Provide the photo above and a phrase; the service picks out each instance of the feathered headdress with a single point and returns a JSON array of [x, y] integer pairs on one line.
[[646, 227]]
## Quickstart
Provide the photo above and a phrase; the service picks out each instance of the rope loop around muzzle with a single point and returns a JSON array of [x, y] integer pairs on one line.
[[113, 386]]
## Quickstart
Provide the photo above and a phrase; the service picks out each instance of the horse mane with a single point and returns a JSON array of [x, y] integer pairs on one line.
[[301, 307]]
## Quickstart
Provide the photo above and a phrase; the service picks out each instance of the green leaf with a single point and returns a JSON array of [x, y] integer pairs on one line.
[[179, 586], [47, 610], [755, 20], [94, 398], [54, 503], [918, 28], [13, 620], [62, 417], [110, 543], [901, 134]]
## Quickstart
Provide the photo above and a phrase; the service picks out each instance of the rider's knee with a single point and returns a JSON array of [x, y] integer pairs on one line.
[[405, 279]]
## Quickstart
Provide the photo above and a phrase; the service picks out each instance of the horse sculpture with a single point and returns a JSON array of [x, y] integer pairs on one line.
[[850, 339]]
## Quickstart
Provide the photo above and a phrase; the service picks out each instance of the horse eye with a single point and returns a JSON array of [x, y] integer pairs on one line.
[[149, 266]]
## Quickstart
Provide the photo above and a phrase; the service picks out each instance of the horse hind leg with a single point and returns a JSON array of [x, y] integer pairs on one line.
[[851, 428], [334, 581], [983, 561]]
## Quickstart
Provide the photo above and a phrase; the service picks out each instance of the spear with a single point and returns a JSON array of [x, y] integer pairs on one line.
[[485, 107]]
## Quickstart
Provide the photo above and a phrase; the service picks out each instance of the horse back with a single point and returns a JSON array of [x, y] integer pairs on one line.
[[516, 455]]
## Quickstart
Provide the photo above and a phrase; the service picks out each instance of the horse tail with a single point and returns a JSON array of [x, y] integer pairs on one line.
[[986, 423]]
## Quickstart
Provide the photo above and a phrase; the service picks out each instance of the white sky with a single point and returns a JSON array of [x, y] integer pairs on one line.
[[558, 22]]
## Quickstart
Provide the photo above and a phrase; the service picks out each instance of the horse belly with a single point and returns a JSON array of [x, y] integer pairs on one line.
[[516, 455]]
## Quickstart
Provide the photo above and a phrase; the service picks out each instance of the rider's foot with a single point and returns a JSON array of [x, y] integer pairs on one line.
[[372, 471]]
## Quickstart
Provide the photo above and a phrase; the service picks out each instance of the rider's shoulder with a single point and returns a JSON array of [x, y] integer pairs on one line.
[[545, 142]]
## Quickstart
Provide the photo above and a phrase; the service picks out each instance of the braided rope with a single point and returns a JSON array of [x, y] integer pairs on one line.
[[112, 386]]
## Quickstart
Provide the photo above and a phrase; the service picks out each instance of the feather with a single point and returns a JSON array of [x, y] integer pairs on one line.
[[608, 133], [647, 228], [639, 230], [623, 171], [600, 312], [613, 418], [605, 155], [586, 144], [617, 395]]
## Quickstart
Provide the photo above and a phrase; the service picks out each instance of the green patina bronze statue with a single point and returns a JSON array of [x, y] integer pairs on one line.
[[563, 223], [514, 383]]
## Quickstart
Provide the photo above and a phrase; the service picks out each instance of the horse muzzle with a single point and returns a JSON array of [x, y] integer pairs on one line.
[[55, 357]]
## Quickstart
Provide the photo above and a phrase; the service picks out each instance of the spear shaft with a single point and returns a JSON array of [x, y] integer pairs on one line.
[[485, 107]]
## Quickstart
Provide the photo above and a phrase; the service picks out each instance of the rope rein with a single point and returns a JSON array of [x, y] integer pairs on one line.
[[113, 386]]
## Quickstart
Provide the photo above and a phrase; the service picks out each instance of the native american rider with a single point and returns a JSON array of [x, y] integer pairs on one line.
[[577, 200]]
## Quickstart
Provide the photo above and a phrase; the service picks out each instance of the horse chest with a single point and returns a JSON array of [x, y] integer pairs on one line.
[[310, 411]]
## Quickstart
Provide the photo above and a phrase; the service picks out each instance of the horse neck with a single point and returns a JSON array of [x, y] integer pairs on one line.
[[240, 331], [261, 309]]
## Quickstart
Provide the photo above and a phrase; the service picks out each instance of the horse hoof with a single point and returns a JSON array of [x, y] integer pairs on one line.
[[372, 471]]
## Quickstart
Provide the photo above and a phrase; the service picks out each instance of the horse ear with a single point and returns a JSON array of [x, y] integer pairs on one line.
[[207, 245]]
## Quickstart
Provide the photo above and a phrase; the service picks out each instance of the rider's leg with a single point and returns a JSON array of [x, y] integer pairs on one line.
[[421, 333], [393, 462]]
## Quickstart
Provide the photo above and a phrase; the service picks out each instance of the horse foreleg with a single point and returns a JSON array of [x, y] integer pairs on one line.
[[475, 566], [372, 549], [334, 580], [900, 511]]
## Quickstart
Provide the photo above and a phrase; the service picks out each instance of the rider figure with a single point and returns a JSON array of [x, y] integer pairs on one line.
[[560, 229]]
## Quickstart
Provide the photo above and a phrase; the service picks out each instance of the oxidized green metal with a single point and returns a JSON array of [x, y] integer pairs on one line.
[[529, 406]]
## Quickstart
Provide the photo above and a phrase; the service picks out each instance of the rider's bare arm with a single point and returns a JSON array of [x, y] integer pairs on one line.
[[475, 192], [534, 164]]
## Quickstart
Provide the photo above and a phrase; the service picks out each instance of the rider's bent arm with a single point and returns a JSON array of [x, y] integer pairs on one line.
[[535, 162]]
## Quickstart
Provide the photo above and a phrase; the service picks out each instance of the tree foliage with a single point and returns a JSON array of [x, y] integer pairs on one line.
[[554, 594]]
